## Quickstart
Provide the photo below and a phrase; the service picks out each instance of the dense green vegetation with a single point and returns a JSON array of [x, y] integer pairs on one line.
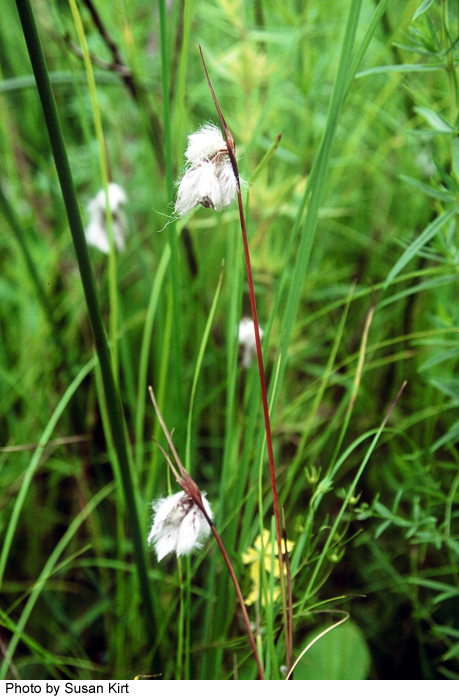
[[354, 240]]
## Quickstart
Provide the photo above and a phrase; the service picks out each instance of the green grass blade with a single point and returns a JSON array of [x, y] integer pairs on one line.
[[76, 227], [48, 570], [202, 348], [34, 462], [428, 233]]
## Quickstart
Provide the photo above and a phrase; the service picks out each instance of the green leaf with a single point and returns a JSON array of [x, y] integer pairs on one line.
[[435, 120], [433, 585], [456, 155], [422, 8], [442, 195], [420, 241], [450, 436], [441, 630], [340, 655], [401, 68], [451, 653]]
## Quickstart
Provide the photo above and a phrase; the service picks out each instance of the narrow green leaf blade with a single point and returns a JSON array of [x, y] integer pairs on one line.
[[416, 246]]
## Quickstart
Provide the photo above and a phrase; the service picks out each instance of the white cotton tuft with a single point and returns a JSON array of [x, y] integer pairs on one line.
[[227, 182], [247, 340], [209, 179], [179, 525], [204, 144], [96, 231]]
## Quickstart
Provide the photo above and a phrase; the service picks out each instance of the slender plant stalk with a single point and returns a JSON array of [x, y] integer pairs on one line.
[[191, 488], [232, 155], [315, 185], [76, 227], [180, 99], [194, 385], [239, 595], [176, 339], [355, 388], [290, 598], [349, 495], [145, 355], [104, 172]]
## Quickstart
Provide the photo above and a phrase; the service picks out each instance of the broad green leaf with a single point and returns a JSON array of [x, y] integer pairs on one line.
[[340, 655]]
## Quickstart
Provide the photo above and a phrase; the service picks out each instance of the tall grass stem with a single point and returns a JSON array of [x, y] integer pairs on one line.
[[76, 227]]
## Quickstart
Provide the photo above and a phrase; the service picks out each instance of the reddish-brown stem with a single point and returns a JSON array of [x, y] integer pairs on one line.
[[191, 488], [289, 598], [261, 371], [232, 156], [241, 599], [264, 397]]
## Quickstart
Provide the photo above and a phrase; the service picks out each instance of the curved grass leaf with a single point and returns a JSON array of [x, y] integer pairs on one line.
[[428, 233]]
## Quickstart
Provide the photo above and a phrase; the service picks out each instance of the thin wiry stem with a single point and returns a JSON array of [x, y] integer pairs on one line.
[[290, 598], [191, 488], [114, 407], [241, 599], [232, 156]]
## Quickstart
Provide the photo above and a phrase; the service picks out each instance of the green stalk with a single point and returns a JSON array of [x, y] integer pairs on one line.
[[202, 348], [176, 338], [349, 495], [180, 101], [145, 356], [317, 180], [105, 180], [181, 624], [76, 227]]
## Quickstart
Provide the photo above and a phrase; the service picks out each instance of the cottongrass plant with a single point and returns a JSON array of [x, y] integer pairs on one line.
[[166, 510], [212, 180], [209, 179], [177, 524], [231, 150], [247, 342], [96, 231]]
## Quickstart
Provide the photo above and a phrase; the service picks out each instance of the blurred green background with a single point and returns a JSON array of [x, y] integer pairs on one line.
[[352, 225]]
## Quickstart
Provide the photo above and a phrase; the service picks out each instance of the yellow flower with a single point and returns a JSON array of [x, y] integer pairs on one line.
[[253, 556]]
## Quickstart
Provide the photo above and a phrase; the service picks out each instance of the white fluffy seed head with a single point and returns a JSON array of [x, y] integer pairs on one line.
[[96, 231], [227, 181], [209, 179], [116, 199], [247, 340], [204, 144], [179, 525]]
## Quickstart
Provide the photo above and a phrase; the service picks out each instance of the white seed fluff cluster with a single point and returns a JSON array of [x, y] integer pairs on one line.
[[247, 340], [179, 525], [96, 231], [209, 179]]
